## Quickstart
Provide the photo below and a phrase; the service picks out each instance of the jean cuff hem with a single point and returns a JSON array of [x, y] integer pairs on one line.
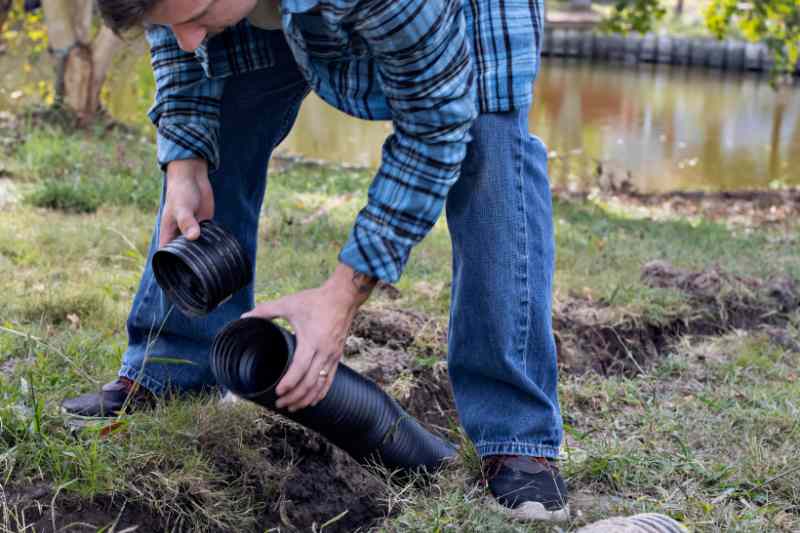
[[517, 448], [153, 385]]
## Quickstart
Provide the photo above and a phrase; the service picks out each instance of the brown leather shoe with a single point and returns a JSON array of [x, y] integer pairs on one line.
[[110, 400]]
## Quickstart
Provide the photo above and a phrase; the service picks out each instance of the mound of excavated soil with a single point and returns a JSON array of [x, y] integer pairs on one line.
[[591, 337]]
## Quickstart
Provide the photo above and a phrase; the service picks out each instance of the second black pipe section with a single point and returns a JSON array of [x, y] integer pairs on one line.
[[251, 355]]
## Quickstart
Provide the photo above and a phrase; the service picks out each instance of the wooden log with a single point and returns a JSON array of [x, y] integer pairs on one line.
[[547, 39], [681, 49], [586, 48], [572, 43], [633, 46], [601, 46], [559, 37], [715, 53], [697, 53], [616, 48], [664, 49], [753, 56], [734, 55], [648, 51]]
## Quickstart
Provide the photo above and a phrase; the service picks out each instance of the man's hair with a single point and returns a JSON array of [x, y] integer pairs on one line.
[[123, 15]]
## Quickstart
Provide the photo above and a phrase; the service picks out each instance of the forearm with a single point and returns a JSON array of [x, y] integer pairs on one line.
[[350, 287]]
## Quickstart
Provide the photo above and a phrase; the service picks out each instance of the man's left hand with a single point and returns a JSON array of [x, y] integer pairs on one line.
[[321, 319]]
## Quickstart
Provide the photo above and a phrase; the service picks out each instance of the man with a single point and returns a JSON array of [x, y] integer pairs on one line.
[[228, 91]]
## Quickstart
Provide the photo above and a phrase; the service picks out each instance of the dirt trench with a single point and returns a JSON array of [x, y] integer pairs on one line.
[[591, 336], [303, 482]]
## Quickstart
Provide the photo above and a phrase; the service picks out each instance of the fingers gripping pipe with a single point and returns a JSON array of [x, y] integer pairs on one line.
[[250, 356]]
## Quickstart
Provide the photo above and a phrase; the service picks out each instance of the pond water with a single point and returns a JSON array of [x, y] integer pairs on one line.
[[661, 128]]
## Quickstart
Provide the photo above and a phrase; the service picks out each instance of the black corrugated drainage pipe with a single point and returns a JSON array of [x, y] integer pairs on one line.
[[251, 355], [199, 275]]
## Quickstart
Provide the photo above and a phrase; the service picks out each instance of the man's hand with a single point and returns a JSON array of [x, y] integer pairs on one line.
[[189, 200], [321, 319]]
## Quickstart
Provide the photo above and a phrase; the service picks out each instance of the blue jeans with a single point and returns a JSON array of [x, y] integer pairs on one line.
[[501, 350]]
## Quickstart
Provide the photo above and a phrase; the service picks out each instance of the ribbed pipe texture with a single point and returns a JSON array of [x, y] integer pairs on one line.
[[251, 355], [199, 275], [640, 523]]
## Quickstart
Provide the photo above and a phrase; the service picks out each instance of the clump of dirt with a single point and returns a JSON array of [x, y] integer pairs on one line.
[[296, 480], [392, 328], [383, 347], [320, 484], [591, 337], [738, 301]]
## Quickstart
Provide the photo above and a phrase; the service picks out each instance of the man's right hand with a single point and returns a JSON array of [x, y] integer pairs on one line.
[[188, 201]]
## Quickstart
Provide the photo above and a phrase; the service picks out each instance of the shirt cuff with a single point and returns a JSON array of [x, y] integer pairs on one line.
[[368, 252], [186, 141]]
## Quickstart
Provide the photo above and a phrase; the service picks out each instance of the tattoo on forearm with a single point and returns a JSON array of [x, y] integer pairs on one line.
[[363, 283]]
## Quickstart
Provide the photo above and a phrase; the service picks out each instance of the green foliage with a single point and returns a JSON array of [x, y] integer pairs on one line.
[[776, 23], [25, 29], [634, 16], [773, 22], [73, 197]]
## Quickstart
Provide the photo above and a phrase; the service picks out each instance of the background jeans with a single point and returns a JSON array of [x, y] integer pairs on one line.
[[501, 351], [258, 110]]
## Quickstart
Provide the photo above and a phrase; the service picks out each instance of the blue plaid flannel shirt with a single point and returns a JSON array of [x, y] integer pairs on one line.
[[427, 65]]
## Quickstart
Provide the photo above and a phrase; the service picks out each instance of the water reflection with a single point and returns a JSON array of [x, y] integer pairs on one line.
[[669, 128], [673, 128]]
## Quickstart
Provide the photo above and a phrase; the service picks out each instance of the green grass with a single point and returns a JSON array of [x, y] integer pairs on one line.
[[708, 434], [75, 173]]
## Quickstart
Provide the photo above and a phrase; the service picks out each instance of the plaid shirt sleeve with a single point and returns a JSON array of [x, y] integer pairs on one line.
[[426, 74], [187, 103]]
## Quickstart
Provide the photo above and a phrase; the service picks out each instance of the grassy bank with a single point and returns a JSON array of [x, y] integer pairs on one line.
[[678, 340]]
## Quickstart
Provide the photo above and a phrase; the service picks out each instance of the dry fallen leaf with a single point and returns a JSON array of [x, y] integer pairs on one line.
[[74, 320]]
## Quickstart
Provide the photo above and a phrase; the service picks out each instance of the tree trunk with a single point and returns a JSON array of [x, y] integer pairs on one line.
[[81, 66], [105, 47], [5, 9]]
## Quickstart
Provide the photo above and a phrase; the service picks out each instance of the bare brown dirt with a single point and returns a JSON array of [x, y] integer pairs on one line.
[[30, 510]]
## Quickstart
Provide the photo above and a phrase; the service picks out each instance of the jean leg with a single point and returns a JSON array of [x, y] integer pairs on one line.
[[502, 356], [258, 110]]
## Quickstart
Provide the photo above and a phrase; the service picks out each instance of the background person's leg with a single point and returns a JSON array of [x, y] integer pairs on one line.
[[502, 356], [258, 109]]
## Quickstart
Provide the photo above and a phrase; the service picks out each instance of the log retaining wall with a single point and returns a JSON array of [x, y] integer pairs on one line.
[[702, 52]]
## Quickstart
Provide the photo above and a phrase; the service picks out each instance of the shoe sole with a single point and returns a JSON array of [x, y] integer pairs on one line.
[[532, 512]]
